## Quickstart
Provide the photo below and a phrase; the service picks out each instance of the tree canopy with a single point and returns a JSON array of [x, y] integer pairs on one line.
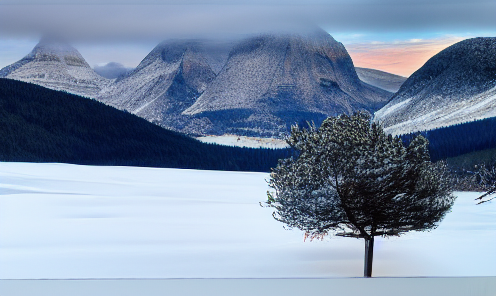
[[353, 180]]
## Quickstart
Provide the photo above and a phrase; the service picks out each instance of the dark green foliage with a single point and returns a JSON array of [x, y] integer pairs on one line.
[[42, 125], [459, 139], [353, 180]]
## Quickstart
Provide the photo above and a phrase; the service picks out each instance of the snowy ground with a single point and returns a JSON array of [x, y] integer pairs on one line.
[[242, 141], [68, 221]]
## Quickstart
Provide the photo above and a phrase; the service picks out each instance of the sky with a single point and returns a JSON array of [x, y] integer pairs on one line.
[[396, 36]]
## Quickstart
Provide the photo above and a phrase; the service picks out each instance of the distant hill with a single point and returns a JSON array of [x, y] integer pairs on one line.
[[57, 65], [455, 86], [380, 79], [42, 125]]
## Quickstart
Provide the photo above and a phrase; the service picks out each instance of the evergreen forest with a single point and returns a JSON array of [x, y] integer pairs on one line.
[[42, 125], [459, 139]]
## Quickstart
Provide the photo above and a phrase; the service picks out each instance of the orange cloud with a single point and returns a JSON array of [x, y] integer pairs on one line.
[[399, 57]]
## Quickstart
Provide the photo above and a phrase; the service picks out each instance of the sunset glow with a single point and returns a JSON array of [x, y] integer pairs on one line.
[[398, 57]]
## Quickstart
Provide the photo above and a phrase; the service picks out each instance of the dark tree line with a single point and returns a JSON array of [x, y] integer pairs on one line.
[[42, 125], [458, 139]]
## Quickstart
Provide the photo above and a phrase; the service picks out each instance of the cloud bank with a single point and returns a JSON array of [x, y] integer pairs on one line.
[[153, 19]]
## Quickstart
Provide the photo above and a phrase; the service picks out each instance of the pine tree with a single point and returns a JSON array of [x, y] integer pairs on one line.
[[351, 179]]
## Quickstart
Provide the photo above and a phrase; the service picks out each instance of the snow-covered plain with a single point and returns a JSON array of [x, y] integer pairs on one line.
[[60, 221], [242, 141]]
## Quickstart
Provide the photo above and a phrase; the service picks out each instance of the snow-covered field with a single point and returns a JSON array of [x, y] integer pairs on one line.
[[67, 221], [242, 141]]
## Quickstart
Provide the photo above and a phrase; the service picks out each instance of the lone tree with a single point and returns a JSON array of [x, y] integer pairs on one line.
[[351, 179]]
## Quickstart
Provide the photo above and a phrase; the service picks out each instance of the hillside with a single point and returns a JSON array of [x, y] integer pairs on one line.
[[456, 85], [43, 125]]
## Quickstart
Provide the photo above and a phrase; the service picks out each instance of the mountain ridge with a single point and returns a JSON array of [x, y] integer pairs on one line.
[[257, 86], [456, 85]]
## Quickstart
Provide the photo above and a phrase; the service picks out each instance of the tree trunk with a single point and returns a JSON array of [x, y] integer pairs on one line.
[[369, 254]]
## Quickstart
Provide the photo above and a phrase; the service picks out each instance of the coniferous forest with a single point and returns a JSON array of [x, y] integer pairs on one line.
[[42, 125], [459, 139]]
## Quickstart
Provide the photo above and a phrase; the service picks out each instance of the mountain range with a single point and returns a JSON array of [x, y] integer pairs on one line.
[[272, 81], [254, 86], [260, 85], [455, 86], [257, 86]]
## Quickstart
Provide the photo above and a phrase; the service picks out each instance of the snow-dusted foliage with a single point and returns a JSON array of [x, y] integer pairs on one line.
[[353, 180], [488, 179]]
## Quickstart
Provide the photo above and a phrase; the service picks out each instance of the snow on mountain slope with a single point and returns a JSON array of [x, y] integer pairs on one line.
[[381, 79], [168, 81], [56, 65], [256, 86], [457, 85], [274, 80], [63, 221], [477, 107]]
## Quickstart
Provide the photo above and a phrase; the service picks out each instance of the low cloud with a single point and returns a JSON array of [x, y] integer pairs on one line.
[[112, 70], [154, 19]]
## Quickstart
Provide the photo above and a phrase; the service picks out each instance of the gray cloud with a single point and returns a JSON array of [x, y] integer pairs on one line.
[[178, 18]]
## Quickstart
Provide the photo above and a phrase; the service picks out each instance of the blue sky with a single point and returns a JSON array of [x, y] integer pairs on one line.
[[373, 31]]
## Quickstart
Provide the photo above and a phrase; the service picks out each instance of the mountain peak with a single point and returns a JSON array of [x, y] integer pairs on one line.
[[56, 49], [55, 64]]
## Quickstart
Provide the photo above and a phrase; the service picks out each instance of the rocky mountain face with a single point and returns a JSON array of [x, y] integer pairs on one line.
[[168, 81], [380, 79], [258, 86], [272, 81], [56, 65], [456, 85]]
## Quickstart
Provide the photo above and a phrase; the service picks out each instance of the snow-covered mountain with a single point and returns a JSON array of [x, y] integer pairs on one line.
[[380, 79], [257, 86], [57, 65], [272, 81], [455, 86], [168, 81]]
